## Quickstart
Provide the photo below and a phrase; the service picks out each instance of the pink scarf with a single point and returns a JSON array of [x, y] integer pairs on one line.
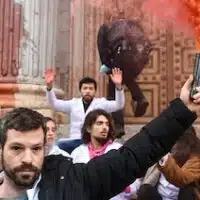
[[97, 152]]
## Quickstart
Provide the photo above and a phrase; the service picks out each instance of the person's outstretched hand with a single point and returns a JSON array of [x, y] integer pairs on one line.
[[191, 103], [116, 77], [50, 75]]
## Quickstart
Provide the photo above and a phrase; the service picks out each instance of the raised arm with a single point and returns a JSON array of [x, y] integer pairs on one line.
[[57, 104], [118, 103]]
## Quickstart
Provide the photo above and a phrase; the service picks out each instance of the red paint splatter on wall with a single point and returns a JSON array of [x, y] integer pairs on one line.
[[10, 35], [181, 15], [177, 15]]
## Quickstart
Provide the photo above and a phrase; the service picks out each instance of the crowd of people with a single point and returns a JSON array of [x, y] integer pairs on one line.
[[160, 162]]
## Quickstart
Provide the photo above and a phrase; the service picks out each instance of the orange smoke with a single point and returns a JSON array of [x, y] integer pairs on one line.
[[184, 15], [193, 8]]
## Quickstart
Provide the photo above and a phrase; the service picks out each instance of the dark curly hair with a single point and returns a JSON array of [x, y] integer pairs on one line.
[[91, 119]]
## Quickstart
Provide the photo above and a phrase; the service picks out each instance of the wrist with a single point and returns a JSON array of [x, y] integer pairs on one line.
[[163, 160], [191, 107], [49, 87], [118, 86]]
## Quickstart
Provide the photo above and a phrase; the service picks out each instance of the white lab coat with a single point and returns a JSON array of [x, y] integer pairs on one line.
[[81, 155], [74, 107], [55, 150]]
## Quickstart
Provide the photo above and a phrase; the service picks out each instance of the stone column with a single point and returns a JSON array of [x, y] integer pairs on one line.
[[10, 35], [37, 51], [28, 33], [94, 17], [63, 57], [85, 22], [76, 46]]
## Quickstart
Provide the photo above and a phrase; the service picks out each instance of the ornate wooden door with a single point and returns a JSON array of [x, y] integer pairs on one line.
[[170, 65]]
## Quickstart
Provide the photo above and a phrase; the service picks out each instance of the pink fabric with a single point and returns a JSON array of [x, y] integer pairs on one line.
[[128, 189], [97, 152]]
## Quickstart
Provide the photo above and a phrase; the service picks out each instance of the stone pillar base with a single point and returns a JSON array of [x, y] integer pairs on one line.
[[13, 95]]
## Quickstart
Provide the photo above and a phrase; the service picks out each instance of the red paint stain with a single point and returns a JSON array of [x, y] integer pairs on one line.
[[11, 27]]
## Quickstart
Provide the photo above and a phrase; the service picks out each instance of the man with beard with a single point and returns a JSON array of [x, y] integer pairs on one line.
[[23, 133], [22, 152], [78, 108], [98, 133]]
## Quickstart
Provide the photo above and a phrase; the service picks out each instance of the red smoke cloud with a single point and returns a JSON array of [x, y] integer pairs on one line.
[[182, 15]]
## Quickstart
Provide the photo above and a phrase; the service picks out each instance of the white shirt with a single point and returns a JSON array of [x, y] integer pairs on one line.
[[55, 150], [33, 193], [167, 190]]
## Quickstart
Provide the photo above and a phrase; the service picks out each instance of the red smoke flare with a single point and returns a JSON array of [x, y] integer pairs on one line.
[[182, 15]]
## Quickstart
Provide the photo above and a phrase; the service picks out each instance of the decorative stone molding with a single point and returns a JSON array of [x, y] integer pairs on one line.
[[38, 44]]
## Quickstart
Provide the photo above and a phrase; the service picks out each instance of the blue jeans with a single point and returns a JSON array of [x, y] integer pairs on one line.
[[69, 145]]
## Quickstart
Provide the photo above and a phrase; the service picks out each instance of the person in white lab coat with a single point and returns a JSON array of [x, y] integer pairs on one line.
[[78, 108], [98, 134]]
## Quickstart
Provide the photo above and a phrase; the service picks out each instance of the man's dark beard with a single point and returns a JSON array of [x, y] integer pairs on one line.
[[87, 101], [11, 173], [101, 141]]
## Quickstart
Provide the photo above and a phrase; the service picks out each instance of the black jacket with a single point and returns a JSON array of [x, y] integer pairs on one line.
[[108, 175]]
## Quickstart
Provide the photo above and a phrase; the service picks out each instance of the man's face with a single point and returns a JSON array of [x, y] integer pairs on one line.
[[23, 156], [100, 129], [88, 91], [51, 132]]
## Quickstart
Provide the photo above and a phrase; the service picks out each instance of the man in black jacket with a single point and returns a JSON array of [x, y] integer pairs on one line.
[[57, 178]]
